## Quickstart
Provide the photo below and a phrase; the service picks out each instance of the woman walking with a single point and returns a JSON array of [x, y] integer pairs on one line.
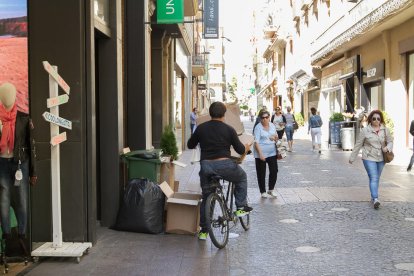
[[315, 123], [265, 152], [290, 119], [279, 120], [375, 139]]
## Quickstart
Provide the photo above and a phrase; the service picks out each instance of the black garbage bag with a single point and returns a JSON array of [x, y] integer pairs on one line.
[[142, 208]]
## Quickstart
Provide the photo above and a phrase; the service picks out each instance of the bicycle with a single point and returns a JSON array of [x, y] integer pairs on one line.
[[219, 212]]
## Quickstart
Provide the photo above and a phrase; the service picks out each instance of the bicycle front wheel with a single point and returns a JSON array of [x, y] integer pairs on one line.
[[245, 222], [217, 222]]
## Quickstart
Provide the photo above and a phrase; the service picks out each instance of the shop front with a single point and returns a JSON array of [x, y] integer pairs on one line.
[[372, 94], [351, 71]]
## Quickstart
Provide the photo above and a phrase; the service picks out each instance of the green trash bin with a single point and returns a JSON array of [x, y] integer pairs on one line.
[[140, 167]]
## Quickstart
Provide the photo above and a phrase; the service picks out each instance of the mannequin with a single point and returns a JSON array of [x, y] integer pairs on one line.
[[17, 164]]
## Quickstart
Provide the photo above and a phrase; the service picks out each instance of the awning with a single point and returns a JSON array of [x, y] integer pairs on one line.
[[347, 76], [331, 89], [302, 78], [267, 86]]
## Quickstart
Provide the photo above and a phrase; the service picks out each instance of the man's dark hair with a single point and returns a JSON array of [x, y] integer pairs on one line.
[[313, 111], [217, 110]]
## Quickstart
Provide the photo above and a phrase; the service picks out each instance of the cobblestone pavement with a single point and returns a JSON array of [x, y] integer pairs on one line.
[[322, 223]]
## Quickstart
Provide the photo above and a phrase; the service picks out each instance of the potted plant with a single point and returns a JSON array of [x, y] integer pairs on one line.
[[336, 117], [168, 145]]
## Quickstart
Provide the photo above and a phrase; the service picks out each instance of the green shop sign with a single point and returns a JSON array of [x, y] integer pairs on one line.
[[170, 11]]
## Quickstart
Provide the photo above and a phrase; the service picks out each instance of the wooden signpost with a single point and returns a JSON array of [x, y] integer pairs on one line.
[[57, 248]]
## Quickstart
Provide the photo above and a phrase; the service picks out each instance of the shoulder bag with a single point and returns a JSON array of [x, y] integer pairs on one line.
[[389, 155]]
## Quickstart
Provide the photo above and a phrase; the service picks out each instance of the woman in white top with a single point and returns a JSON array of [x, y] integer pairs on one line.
[[279, 121]]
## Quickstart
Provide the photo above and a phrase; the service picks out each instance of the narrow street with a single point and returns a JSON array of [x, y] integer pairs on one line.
[[322, 223]]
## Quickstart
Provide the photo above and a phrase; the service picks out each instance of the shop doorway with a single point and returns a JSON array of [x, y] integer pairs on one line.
[[349, 95], [373, 97], [98, 38]]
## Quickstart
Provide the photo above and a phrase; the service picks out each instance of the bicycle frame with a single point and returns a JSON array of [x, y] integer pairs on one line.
[[226, 195]]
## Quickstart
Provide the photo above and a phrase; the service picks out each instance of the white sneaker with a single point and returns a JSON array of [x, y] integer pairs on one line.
[[272, 194], [264, 195]]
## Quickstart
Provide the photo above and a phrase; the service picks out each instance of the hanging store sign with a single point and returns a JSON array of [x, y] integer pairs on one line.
[[211, 19], [351, 67], [170, 11], [374, 72]]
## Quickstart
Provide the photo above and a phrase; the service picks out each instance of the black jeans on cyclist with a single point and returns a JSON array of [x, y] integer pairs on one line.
[[261, 173], [229, 171]]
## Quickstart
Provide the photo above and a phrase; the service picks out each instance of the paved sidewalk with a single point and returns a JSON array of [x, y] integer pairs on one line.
[[322, 223]]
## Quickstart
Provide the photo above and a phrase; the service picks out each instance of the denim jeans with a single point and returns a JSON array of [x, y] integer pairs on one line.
[[18, 195], [229, 171], [289, 132], [374, 170]]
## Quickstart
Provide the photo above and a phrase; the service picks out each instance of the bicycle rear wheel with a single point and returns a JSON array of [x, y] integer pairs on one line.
[[245, 222], [216, 221]]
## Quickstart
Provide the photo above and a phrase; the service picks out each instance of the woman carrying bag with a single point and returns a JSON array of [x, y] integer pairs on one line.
[[265, 152], [374, 140]]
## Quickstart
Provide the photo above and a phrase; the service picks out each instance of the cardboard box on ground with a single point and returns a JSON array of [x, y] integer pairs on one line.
[[183, 211], [232, 118]]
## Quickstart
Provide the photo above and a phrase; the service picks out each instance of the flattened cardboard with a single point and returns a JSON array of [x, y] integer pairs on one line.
[[232, 118], [245, 138]]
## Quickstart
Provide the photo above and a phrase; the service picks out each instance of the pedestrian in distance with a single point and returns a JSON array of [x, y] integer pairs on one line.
[[410, 165], [290, 120], [251, 115], [266, 153], [315, 123], [279, 120], [193, 119], [374, 140], [215, 138]]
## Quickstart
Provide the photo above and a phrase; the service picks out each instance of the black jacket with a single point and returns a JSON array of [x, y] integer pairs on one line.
[[24, 143]]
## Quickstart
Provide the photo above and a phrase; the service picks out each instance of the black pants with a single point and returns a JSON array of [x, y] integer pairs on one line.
[[261, 172], [280, 133]]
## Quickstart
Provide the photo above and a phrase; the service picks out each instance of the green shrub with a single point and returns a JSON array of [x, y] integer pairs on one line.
[[244, 107], [336, 117], [388, 122], [299, 119], [168, 143]]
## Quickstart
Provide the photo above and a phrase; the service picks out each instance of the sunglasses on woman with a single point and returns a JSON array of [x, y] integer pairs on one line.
[[376, 119], [266, 117]]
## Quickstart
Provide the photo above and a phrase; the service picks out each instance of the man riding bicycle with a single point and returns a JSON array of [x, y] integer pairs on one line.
[[215, 138]]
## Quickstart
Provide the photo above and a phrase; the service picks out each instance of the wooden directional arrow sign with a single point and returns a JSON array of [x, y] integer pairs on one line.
[[57, 100], [56, 140], [56, 76], [57, 120]]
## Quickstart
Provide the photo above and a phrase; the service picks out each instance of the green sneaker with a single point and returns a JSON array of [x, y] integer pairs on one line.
[[243, 211], [202, 236]]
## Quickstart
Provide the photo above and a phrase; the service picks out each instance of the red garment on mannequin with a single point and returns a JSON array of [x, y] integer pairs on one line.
[[8, 120]]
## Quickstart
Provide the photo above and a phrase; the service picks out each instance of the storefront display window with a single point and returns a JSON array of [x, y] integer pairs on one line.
[[13, 49]]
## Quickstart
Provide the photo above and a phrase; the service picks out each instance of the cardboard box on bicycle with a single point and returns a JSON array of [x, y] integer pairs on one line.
[[231, 117], [245, 138], [183, 211]]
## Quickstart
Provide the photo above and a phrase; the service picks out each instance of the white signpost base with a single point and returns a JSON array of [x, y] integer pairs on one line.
[[57, 248]]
